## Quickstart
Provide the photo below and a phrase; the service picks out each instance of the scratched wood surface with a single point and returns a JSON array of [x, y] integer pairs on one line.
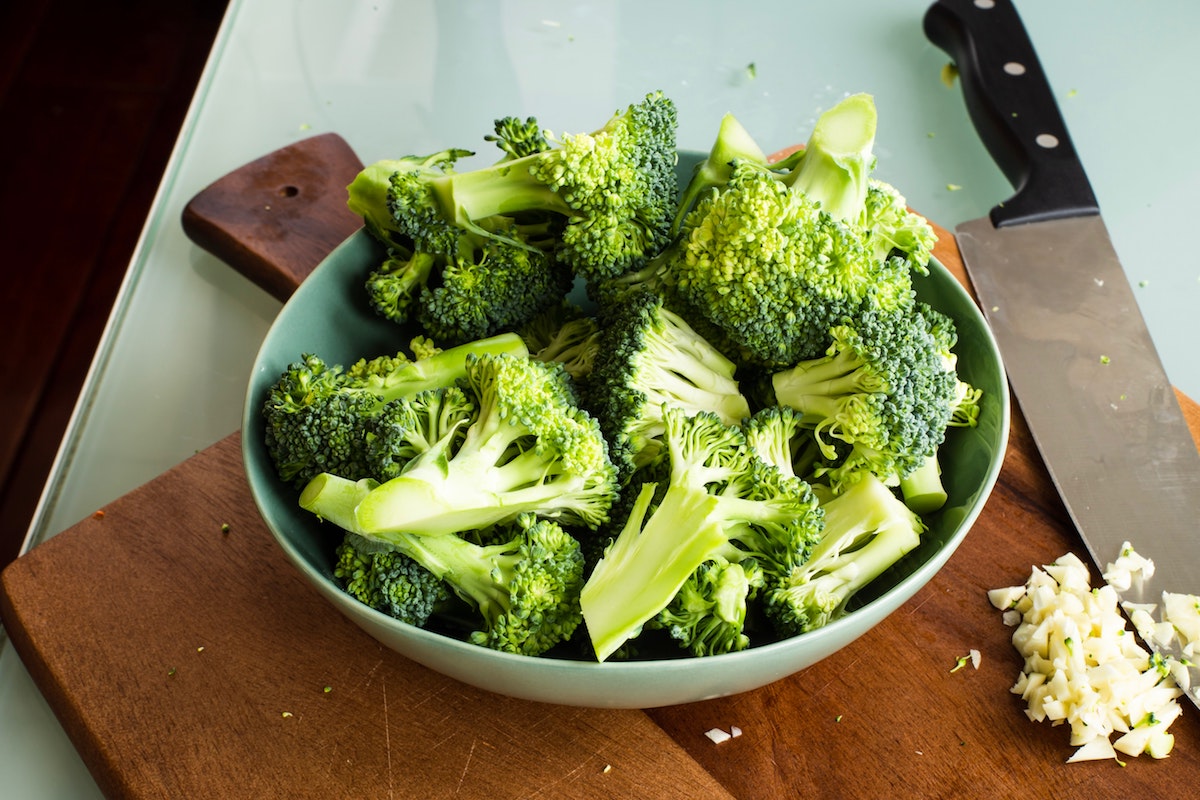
[[212, 678]]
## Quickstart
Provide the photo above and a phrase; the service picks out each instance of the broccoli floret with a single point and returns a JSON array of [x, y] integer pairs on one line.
[[524, 588], [318, 414], [457, 282], [402, 431], [883, 388], [708, 614], [866, 530], [650, 358], [519, 138], [388, 581], [611, 192], [481, 286], [733, 143], [922, 488], [566, 334], [773, 255], [719, 500], [894, 231], [779, 436], [529, 448]]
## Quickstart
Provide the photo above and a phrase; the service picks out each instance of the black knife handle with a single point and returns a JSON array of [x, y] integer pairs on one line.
[[1012, 106]]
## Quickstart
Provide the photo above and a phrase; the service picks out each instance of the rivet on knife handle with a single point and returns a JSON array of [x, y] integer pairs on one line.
[[1012, 106]]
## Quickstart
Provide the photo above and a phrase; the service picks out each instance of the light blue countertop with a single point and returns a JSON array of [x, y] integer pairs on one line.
[[400, 77]]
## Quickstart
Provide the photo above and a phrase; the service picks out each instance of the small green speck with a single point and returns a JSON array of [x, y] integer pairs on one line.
[[952, 187], [838, 718], [225, 527], [171, 672], [960, 663], [327, 689], [287, 714], [931, 134], [304, 126], [1073, 93], [1143, 284], [751, 70], [1105, 359]]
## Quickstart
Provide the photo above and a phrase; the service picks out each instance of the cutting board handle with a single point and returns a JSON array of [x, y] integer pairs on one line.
[[277, 217]]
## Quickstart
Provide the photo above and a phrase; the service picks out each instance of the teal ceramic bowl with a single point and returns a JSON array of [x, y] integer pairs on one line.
[[328, 315]]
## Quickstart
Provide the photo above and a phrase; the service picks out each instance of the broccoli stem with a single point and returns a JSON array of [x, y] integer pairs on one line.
[[646, 567], [922, 489], [834, 375], [733, 143], [444, 368], [334, 498], [838, 158], [867, 530], [505, 188]]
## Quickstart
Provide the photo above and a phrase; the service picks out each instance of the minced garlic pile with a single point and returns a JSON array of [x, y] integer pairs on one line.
[[1083, 667], [1178, 621]]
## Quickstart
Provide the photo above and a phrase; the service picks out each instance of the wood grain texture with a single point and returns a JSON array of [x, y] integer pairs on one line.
[[883, 717], [274, 219], [188, 661]]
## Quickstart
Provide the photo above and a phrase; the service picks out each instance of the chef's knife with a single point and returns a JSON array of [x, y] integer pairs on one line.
[[1079, 358]]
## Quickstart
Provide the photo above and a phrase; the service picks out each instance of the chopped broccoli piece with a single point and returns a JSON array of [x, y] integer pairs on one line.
[[650, 358], [524, 587], [708, 614], [866, 530], [883, 388], [773, 255], [566, 334], [922, 488], [605, 198], [529, 448], [720, 500], [318, 415], [388, 581], [457, 282]]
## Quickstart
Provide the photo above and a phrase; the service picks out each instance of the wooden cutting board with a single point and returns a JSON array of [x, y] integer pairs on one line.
[[185, 657]]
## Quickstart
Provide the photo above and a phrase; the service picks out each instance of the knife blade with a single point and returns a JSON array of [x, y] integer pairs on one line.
[[1080, 360]]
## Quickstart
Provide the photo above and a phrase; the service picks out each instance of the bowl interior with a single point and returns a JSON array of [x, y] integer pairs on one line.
[[328, 315]]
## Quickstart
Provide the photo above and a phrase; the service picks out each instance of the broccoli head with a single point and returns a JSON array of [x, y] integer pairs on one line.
[[523, 586], [388, 581], [719, 501], [707, 616], [610, 193], [865, 530], [922, 488], [457, 282], [528, 448], [882, 389], [773, 255], [649, 358], [319, 417]]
